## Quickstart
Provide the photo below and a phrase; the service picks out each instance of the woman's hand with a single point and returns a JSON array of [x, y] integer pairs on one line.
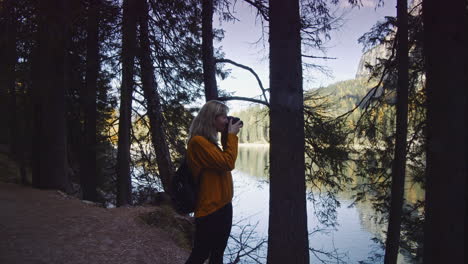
[[234, 128]]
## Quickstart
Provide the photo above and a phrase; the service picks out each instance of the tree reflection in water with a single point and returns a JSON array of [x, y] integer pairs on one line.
[[356, 226]]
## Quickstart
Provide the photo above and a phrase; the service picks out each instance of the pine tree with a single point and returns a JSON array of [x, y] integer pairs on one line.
[[445, 42], [287, 232], [8, 56], [124, 184], [89, 169], [50, 148], [153, 99], [399, 164], [209, 67]]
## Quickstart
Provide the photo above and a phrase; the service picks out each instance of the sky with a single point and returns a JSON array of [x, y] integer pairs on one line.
[[242, 43]]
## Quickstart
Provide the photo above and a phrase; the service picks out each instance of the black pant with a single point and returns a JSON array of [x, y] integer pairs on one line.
[[211, 236]]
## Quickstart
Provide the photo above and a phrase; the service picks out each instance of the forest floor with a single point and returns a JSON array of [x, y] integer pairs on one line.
[[39, 226], [48, 226]]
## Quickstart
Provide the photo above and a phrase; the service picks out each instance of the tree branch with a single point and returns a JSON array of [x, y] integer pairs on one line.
[[371, 93], [318, 57], [248, 69], [239, 98], [261, 8]]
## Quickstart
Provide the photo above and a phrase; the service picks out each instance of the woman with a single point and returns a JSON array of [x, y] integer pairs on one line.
[[213, 166]]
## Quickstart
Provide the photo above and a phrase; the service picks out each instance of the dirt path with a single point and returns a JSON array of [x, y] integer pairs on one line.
[[38, 226]]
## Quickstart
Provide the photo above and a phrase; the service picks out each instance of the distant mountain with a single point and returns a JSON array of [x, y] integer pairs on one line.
[[344, 95], [341, 96], [371, 57]]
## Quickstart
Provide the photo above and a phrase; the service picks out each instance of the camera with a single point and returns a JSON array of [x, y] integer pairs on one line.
[[234, 120]]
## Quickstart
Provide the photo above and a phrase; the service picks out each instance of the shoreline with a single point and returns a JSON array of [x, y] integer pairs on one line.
[[263, 145]]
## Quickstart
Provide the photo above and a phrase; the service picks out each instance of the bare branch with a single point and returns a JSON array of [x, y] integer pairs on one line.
[[261, 8], [250, 70], [372, 92], [142, 103], [318, 57], [246, 244], [240, 98]]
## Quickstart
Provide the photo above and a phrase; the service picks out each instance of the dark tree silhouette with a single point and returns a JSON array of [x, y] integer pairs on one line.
[[399, 162], [209, 67], [445, 42], [8, 58], [287, 231], [124, 185], [49, 139], [153, 100], [89, 170]]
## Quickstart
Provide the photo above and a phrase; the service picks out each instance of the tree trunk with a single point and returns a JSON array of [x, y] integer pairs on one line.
[[445, 42], [88, 172], [399, 163], [50, 151], [8, 59], [8, 73], [124, 185], [24, 124], [209, 67], [287, 233], [157, 123]]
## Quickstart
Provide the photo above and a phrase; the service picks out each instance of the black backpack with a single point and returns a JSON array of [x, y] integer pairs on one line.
[[184, 189]]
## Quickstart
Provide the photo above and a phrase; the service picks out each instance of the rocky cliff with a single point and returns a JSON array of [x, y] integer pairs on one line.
[[371, 57], [383, 51]]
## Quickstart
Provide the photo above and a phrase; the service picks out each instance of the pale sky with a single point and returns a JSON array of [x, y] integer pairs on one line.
[[240, 45]]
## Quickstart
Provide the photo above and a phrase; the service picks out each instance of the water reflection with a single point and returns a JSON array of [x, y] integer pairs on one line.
[[253, 160], [355, 230]]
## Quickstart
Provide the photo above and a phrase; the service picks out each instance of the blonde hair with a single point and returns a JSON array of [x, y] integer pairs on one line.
[[204, 123]]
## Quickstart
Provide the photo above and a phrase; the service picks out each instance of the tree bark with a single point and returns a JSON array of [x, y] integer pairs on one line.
[[287, 232], [399, 163], [209, 66], [4, 96], [124, 185], [8, 57], [445, 42], [157, 123], [8, 83], [89, 173], [50, 151], [7, 73]]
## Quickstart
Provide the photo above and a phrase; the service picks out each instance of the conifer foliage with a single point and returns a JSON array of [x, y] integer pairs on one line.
[[95, 96]]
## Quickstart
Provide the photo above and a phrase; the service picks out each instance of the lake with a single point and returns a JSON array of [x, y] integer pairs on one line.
[[351, 240]]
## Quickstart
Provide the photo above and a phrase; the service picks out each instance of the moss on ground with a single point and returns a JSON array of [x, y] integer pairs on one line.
[[180, 228], [10, 171]]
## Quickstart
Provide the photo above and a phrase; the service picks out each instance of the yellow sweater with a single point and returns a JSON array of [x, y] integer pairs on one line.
[[215, 166]]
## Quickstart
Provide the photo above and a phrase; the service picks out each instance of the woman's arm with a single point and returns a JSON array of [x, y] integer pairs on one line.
[[207, 155]]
